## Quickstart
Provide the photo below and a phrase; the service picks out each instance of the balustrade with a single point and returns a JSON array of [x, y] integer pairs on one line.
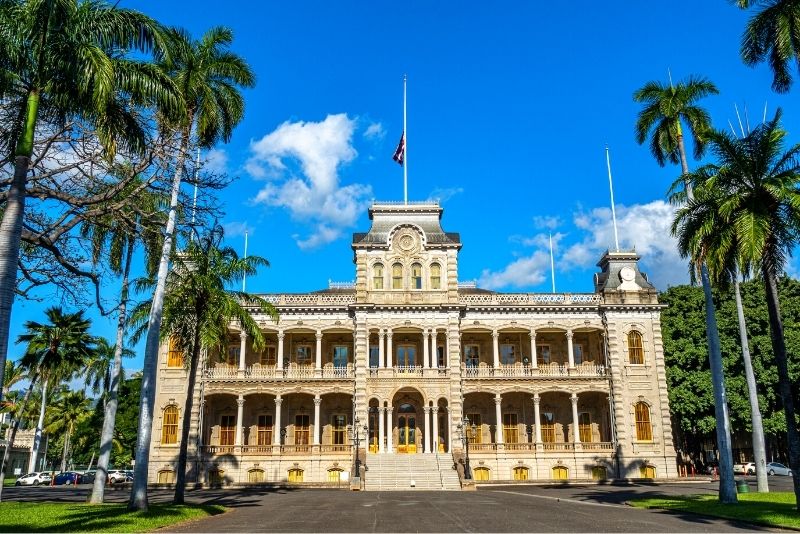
[[523, 371]]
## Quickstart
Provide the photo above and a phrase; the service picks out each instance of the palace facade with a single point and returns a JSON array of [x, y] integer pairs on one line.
[[541, 386]]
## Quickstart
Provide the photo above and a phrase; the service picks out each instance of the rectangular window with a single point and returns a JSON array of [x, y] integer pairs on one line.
[[508, 354], [440, 357], [340, 354], [374, 354], [301, 430], [510, 428], [397, 276], [406, 355], [474, 431], [585, 427], [577, 353], [227, 430], [302, 354], [232, 357], [264, 430], [339, 435], [268, 355], [542, 354], [472, 355], [548, 427], [174, 354]]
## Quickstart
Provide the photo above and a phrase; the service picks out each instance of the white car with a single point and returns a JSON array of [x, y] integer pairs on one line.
[[33, 479], [774, 468], [116, 476]]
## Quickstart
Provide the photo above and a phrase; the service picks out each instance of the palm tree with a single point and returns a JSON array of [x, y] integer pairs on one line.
[[60, 59], [707, 238], [667, 108], [69, 409], [13, 374], [757, 180], [208, 77], [57, 348], [772, 35], [199, 308]]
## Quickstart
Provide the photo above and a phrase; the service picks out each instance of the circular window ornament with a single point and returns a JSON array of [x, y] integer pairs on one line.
[[627, 274], [406, 242]]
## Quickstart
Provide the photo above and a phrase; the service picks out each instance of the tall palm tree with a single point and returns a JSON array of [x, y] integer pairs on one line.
[[13, 374], [57, 348], [60, 59], [668, 109], [208, 77], [757, 179], [773, 35], [199, 306], [69, 409], [708, 238]]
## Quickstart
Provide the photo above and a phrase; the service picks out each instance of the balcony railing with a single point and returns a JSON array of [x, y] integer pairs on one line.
[[546, 370], [271, 372], [541, 299], [263, 450]]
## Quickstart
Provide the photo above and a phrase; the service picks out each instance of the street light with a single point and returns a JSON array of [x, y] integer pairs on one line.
[[356, 433], [283, 437], [464, 430]]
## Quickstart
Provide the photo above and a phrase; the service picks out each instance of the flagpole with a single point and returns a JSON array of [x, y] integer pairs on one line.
[[405, 145], [244, 278], [552, 264], [613, 209]]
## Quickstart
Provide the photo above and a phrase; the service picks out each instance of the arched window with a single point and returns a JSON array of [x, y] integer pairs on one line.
[[334, 475], [377, 276], [560, 473], [255, 476], [599, 472], [295, 475], [216, 477], [169, 427], [520, 473], [397, 276], [436, 276], [174, 354], [481, 473], [647, 471], [635, 350], [644, 430], [416, 276], [166, 476]]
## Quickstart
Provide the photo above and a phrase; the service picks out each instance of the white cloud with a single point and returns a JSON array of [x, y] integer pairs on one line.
[[302, 161], [539, 240], [528, 271], [375, 131], [216, 161], [546, 222], [237, 228], [445, 194], [645, 227]]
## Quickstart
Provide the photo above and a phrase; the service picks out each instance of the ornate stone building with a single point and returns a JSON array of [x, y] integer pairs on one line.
[[542, 386]]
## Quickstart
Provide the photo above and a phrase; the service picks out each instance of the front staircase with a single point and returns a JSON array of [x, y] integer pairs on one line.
[[386, 472]]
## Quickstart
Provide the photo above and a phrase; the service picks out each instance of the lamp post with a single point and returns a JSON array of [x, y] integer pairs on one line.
[[464, 430], [283, 437], [356, 433]]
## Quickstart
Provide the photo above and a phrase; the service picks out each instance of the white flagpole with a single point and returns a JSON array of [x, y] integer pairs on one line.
[[613, 209], [405, 145], [552, 264], [244, 278]]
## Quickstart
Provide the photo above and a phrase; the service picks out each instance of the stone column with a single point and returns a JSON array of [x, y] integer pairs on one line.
[[381, 353], [276, 433], [389, 354], [318, 353], [434, 346], [239, 417], [576, 435], [435, 412], [381, 429], [449, 429], [280, 351], [570, 352], [496, 348], [426, 344], [242, 351], [317, 426], [427, 411], [389, 430], [534, 356], [498, 414], [537, 416]]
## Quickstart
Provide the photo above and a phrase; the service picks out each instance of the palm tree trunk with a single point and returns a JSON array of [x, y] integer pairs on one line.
[[759, 452], [13, 435], [138, 500], [11, 225], [180, 479], [37, 436], [784, 382], [64, 453], [112, 402]]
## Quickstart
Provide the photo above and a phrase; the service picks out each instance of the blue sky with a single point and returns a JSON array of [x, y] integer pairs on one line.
[[510, 107]]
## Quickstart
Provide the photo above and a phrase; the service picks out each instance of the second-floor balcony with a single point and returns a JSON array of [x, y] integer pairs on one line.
[[272, 372], [550, 370]]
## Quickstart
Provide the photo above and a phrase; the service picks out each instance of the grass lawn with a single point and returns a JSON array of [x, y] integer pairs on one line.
[[772, 509], [72, 517]]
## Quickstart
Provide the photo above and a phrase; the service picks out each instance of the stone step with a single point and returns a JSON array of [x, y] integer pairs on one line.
[[398, 471]]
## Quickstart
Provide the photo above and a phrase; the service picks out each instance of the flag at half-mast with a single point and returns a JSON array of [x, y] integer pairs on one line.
[[400, 153]]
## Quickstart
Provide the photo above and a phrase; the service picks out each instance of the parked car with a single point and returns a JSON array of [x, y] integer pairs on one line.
[[747, 468], [67, 478], [118, 476], [33, 479], [774, 468], [87, 477]]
